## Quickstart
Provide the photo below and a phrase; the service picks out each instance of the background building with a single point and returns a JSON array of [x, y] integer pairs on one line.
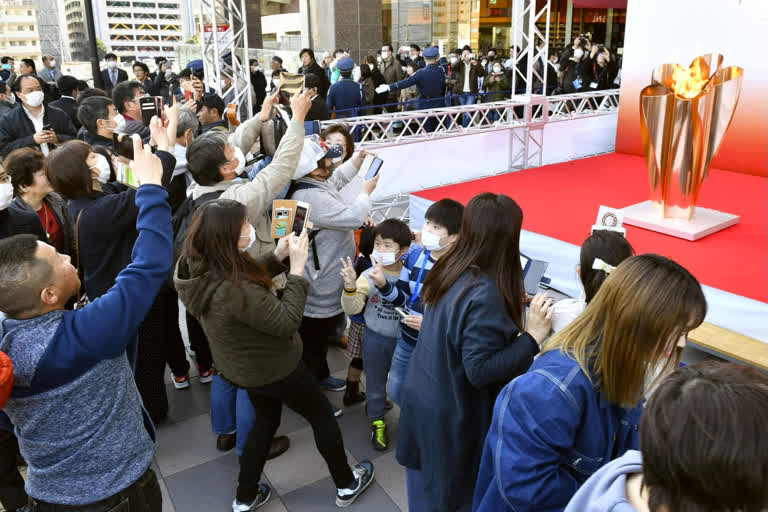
[[19, 37], [74, 23], [51, 24], [143, 29]]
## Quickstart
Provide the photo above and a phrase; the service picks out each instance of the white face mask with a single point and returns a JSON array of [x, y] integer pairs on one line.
[[276, 82], [240, 161], [52, 63], [6, 195], [385, 258], [578, 53], [254, 69], [251, 238], [431, 241], [34, 99], [497, 69], [102, 165], [385, 54], [454, 60], [370, 66], [112, 64], [379, 60], [168, 73], [120, 120]]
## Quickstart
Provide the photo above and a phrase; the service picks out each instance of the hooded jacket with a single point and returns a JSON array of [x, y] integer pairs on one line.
[[253, 334], [606, 490], [76, 410], [335, 222]]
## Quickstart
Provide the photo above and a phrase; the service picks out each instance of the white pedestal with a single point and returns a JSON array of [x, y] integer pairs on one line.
[[704, 221]]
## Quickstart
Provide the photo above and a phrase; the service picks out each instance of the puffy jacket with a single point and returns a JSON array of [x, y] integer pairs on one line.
[[551, 430]]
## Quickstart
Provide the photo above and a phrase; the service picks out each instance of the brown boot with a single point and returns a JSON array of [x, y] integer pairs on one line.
[[279, 446], [353, 395]]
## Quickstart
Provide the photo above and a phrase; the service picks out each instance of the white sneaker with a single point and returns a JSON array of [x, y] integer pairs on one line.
[[264, 494]]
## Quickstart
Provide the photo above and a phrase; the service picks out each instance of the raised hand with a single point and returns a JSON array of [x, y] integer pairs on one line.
[[382, 88], [369, 186], [147, 167], [377, 273], [171, 119], [191, 105], [282, 250], [298, 248], [159, 133], [348, 273], [539, 317], [300, 105], [266, 107]]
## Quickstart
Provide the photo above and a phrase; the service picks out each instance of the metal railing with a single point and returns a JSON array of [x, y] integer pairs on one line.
[[534, 111]]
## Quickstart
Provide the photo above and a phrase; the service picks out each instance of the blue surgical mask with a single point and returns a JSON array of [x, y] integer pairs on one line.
[[5, 66]]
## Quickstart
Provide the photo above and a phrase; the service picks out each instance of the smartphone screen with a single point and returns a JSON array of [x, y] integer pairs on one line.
[[151, 106], [374, 169], [401, 312], [299, 219], [125, 173]]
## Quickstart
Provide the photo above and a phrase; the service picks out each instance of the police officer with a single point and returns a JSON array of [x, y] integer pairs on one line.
[[345, 94], [430, 81]]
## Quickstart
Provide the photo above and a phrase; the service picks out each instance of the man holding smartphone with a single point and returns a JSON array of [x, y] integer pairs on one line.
[[33, 125]]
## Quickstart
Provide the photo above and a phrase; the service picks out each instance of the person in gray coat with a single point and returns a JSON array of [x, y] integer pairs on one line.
[[332, 238]]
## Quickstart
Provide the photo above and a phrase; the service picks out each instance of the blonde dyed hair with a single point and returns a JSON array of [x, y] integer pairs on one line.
[[632, 323]]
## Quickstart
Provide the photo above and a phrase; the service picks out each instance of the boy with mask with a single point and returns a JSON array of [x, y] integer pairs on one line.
[[441, 227], [382, 321]]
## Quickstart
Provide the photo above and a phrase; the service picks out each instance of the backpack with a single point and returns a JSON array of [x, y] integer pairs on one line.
[[182, 217]]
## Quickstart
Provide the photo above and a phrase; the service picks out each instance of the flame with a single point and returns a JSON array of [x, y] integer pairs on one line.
[[689, 82]]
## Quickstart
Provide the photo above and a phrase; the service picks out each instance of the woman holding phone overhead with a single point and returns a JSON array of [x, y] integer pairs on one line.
[[253, 335]]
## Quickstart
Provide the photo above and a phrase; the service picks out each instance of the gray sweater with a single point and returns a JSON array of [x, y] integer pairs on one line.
[[336, 222]]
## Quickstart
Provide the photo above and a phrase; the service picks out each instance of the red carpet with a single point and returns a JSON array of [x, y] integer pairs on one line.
[[561, 201]]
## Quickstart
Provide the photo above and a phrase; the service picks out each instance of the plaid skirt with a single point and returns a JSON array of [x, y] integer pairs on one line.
[[355, 339]]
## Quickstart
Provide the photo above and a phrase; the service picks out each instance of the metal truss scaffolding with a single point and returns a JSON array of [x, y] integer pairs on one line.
[[225, 48], [527, 36]]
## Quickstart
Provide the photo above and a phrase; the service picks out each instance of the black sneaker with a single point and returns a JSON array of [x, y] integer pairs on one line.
[[225, 442], [353, 395], [264, 493], [363, 478]]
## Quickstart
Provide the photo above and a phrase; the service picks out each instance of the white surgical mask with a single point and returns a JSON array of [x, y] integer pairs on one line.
[[34, 99], [102, 165], [379, 60], [497, 69], [53, 63], [254, 69], [578, 53], [385, 54], [120, 120], [6, 195], [454, 60], [168, 73], [385, 258], [112, 64], [251, 238], [240, 161], [431, 241], [370, 66]]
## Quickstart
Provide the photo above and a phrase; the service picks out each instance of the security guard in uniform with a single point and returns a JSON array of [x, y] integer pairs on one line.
[[345, 93], [430, 81]]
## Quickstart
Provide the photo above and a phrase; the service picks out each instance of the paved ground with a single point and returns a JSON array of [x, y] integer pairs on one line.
[[195, 477]]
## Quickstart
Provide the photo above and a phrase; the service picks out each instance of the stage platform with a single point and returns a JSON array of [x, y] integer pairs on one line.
[[560, 204]]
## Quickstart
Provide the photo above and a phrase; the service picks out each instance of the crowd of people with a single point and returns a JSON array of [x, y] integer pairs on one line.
[[508, 401]]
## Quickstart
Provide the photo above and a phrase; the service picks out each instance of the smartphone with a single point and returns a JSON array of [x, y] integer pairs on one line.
[[401, 312], [372, 166], [291, 82], [300, 217], [47, 127], [151, 106], [282, 216], [122, 145], [187, 96], [125, 173]]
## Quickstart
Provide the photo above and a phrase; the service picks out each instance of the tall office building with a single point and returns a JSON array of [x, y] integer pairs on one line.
[[19, 37], [143, 29], [77, 33]]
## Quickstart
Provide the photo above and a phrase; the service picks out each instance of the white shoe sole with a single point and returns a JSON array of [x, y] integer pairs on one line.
[[180, 385], [206, 380], [269, 495], [346, 503]]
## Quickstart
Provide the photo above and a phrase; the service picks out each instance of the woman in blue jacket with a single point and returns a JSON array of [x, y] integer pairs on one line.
[[470, 345], [578, 406]]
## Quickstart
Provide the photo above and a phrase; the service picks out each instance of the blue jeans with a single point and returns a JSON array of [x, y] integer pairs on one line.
[[377, 358], [466, 98], [231, 411], [397, 369], [414, 484]]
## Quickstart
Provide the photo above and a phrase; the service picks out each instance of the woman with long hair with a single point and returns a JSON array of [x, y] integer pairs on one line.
[[578, 406], [471, 343], [254, 339]]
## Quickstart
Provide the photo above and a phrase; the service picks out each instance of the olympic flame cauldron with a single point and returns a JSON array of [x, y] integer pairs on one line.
[[684, 115]]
